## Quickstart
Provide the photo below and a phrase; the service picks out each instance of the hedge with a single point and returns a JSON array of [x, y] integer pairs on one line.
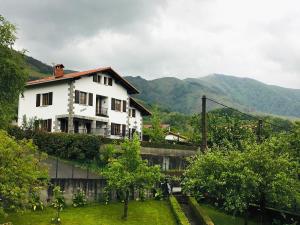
[[177, 211], [199, 212], [66, 146]]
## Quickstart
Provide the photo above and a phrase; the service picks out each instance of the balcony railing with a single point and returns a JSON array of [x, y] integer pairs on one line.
[[102, 112], [96, 131]]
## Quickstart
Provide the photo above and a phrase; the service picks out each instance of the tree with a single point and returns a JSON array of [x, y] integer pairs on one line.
[[234, 179], [13, 74], [156, 133], [20, 172], [129, 172]]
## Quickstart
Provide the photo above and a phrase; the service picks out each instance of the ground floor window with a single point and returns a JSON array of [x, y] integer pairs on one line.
[[46, 125], [115, 129]]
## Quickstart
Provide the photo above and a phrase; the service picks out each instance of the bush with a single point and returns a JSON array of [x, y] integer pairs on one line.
[[179, 214], [198, 211], [168, 146], [63, 145], [79, 198]]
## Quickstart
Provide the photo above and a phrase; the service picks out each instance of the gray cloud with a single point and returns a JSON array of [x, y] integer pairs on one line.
[[257, 39]]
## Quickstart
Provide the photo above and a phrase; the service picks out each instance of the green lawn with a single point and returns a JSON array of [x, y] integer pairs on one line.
[[220, 218], [148, 212]]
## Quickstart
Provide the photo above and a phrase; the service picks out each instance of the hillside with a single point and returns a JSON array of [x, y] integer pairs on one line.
[[185, 95], [243, 93]]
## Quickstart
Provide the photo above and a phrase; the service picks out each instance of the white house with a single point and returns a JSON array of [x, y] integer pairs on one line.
[[95, 101]]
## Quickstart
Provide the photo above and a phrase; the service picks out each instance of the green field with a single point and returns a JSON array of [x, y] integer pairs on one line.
[[148, 212], [220, 218]]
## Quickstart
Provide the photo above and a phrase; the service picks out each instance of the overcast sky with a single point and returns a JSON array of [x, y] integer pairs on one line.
[[259, 39]]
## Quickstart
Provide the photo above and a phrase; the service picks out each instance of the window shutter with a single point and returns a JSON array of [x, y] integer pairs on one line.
[[124, 106], [95, 77], [50, 98], [38, 100], [133, 113], [49, 125], [105, 80], [90, 99], [123, 130], [110, 81], [113, 104], [77, 96]]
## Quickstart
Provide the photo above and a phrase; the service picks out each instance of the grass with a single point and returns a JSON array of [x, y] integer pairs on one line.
[[148, 212], [221, 218]]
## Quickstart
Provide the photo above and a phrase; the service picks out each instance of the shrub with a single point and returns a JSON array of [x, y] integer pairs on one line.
[[58, 204], [79, 198], [63, 145], [36, 202], [179, 214], [198, 211]]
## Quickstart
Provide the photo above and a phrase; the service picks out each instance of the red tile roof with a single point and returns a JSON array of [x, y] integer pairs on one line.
[[131, 89]]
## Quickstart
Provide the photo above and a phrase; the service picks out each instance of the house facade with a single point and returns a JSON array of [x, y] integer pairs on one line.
[[95, 101]]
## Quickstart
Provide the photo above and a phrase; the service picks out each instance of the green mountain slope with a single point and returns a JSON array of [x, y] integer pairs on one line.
[[243, 93], [185, 95]]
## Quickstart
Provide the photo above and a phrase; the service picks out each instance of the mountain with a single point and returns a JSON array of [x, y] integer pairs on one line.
[[243, 93], [185, 95]]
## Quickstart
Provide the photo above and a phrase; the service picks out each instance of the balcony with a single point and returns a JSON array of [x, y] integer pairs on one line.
[[102, 112]]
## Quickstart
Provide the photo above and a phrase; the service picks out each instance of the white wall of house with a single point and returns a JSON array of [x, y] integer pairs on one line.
[[172, 137], [27, 102]]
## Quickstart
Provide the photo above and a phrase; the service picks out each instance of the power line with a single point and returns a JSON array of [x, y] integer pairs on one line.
[[248, 115]]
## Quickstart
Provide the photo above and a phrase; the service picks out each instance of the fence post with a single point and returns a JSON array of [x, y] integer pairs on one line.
[[204, 124], [259, 131]]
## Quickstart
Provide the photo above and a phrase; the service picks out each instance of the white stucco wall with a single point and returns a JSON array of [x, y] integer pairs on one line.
[[171, 137], [27, 104]]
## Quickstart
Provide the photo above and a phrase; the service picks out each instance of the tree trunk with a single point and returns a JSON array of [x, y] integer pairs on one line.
[[126, 204], [262, 207]]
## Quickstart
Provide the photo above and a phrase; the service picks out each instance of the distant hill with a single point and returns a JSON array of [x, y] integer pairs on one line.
[[243, 93], [38, 69], [185, 95]]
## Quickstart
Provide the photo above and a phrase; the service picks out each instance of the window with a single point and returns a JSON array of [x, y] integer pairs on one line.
[[116, 104], [97, 78], [83, 98], [46, 125], [110, 81], [123, 130], [115, 129], [46, 99], [132, 112]]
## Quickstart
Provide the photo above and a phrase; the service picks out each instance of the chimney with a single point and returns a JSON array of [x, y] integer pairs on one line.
[[58, 70]]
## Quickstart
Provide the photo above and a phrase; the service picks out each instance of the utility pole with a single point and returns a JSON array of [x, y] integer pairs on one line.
[[259, 131], [204, 125]]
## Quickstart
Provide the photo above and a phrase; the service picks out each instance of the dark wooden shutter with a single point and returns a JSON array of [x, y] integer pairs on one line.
[[110, 81], [77, 96], [49, 125], [90, 99], [133, 112], [38, 100], [113, 104], [105, 80], [50, 98], [124, 106], [123, 130], [95, 77]]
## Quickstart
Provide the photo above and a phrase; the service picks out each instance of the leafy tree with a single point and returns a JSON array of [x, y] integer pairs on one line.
[[234, 179], [12, 72], [156, 133], [20, 172], [129, 172]]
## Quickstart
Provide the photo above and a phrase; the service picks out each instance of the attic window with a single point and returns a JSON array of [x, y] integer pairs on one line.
[[97, 78]]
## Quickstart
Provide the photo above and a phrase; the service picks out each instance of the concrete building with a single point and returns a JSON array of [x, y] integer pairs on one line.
[[95, 101]]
